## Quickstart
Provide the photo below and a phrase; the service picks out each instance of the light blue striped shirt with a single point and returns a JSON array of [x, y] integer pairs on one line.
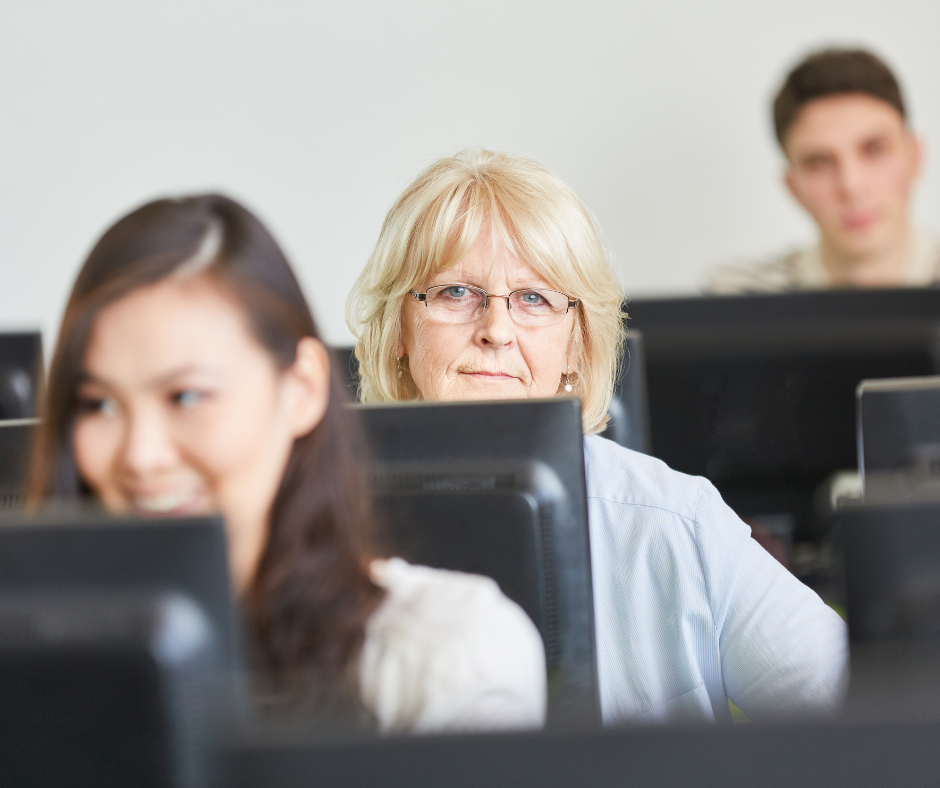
[[690, 611]]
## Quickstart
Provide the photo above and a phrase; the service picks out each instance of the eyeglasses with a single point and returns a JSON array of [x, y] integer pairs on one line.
[[465, 304]]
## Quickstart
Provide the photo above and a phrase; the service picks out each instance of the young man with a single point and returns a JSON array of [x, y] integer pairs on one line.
[[852, 161]]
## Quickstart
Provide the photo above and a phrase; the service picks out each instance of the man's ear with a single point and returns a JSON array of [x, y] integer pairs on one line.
[[919, 153], [309, 385]]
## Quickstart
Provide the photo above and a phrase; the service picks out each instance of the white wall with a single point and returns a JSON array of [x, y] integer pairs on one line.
[[317, 115]]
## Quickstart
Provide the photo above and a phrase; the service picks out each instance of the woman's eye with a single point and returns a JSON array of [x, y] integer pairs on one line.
[[187, 398], [456, 292], [104, 406], [532, 298]]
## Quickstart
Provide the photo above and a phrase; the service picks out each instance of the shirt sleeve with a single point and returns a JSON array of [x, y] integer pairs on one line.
[[783, 651], [449, 652]]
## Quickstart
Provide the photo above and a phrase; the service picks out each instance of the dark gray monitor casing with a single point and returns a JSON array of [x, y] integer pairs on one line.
[[757, 392], [498, 488], [898, 430], [889, 546], [119, 650], [629, 423], [21, 374]]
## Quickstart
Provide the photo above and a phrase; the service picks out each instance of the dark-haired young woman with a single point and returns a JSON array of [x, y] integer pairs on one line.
[[189, 378]]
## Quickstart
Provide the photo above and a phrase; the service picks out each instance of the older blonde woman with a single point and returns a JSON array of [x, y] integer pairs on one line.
[[489, 280]]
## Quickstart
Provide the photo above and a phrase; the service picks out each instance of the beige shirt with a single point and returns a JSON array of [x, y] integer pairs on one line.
[[447, 651], [803, 269]]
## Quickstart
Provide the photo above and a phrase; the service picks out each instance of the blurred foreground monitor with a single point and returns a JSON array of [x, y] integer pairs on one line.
[[757, 393], [806, 754], [890, 546], [497, 489], [21, 374], [116, 640]]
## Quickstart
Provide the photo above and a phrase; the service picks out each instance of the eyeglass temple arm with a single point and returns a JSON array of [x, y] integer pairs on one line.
[[420, 296]]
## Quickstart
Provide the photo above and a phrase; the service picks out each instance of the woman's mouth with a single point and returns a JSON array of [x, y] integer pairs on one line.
[[169, 503], [489, 377]]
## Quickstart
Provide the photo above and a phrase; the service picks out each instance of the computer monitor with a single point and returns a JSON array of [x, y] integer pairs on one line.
[[757, 392], [105, 691], [629, 423], [346, 364], [899, 428], [20, 374], [117, 644], [890, 545], [498, 489], [76, 550], [892, 563]]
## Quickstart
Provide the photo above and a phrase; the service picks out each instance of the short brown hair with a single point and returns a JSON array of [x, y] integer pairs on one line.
[[831, 72]]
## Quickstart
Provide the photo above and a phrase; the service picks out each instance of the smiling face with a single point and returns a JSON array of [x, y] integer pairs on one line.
[[182, 412], [852, 163], [493, 357]]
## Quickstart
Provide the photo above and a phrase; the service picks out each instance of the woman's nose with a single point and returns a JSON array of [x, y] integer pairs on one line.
[[495, 327], [148, 445]]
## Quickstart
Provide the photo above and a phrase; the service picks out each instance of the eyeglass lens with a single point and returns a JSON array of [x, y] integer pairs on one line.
[[464, 304]]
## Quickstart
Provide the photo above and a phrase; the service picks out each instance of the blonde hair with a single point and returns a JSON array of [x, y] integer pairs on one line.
[[527, 210]]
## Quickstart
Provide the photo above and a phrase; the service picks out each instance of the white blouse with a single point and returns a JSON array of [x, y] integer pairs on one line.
[[447, 651]]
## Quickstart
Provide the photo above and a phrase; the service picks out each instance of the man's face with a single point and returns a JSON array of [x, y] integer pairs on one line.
[[852, 162]]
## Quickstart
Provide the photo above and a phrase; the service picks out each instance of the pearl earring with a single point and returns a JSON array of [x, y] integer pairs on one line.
[[567, 381]]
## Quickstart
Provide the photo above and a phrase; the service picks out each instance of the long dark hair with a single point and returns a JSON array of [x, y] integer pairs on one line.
[[311, 596]]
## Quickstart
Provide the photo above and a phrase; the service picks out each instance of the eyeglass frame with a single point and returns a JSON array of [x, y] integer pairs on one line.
[[572, 302]]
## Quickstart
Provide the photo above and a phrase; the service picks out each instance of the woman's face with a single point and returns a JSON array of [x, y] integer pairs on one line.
[[492, 358], [182, 412]]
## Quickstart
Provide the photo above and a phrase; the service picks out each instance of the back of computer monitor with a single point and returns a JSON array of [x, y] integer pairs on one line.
[[757, 392], [497, 488], [20, 374], [892, 555], [890, 546], [629, 407], [16, 440], [899, 428], [346, 365], [442, 521], [118, 649], [106, 690], [68, 551]]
